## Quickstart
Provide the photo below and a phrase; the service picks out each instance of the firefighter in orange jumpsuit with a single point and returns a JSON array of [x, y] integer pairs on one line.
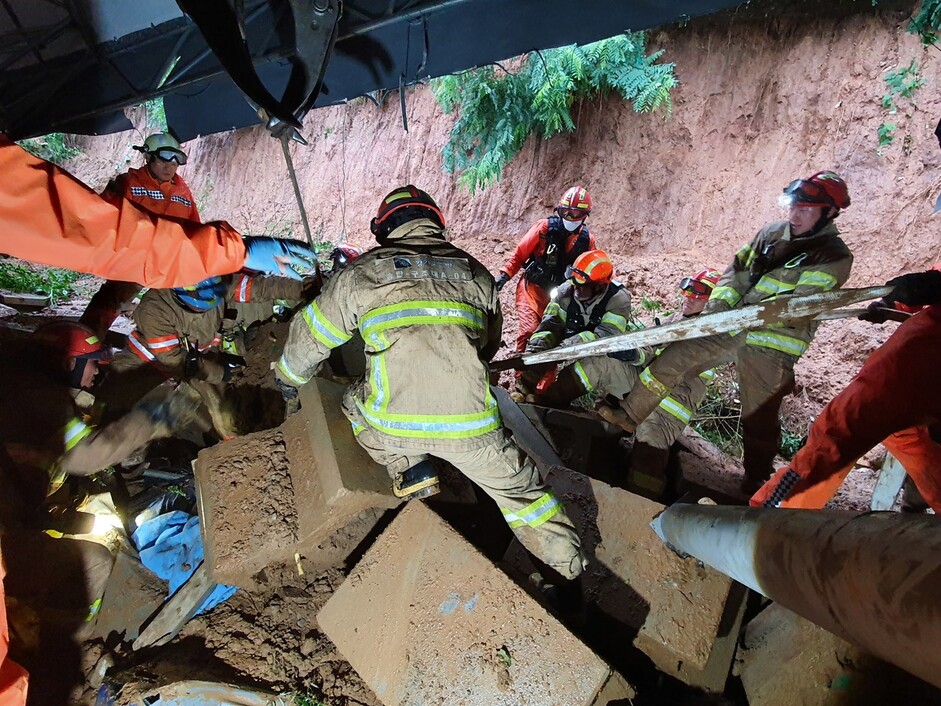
[[50, 217], [544, 254], [893, 399], [155, 187]]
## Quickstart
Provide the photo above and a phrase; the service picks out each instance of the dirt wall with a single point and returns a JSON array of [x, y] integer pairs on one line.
[[763, 99]]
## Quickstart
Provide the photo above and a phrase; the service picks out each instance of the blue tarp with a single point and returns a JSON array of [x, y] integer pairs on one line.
[[171, 546]]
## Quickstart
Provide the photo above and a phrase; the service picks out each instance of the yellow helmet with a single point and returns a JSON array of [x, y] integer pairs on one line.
[[163, 146]]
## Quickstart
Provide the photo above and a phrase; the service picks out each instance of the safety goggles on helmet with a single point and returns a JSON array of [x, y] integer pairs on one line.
[[208, 294], [692, 287], [166, 154], [576, 276], [571, 214], [802, 192]]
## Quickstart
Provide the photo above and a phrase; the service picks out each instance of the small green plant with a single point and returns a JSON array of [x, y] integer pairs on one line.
[[648, 304], [886, 134], [498, 110], [719, 416], [791, 441], [307, 698], [27, 279], [53, 147], [902, 85]]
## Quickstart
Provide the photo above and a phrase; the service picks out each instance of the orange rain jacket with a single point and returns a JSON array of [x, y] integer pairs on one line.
[[171, 198], [49, 216]]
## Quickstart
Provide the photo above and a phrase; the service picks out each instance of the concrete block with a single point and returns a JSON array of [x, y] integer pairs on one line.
[[424, 618], [304, 488], [678, 613], [787, 659]]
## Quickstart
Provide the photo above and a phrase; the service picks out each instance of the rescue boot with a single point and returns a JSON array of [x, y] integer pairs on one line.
[[566, 389], [418, 481], [564, 596]]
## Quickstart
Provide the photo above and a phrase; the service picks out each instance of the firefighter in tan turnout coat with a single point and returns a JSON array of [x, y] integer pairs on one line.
[[802, 255], [430, 317]]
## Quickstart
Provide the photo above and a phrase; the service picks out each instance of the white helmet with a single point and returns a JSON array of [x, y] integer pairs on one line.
[[164, 146]]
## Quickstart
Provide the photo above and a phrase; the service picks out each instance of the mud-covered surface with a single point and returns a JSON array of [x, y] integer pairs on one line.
[[267, 639]]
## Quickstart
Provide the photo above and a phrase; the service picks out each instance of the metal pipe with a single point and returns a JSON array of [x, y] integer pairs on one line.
[[873, 579]]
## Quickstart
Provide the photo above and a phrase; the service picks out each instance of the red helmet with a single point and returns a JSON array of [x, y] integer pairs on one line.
[[826, 189], [409, 202], [592, 266], [575, 204], [343, 254], [73, 339], [700, 286]]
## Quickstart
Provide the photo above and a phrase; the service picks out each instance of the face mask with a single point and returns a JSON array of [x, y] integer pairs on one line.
[[571, 226]]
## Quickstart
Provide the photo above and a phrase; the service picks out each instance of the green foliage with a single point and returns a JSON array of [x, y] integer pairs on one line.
[[886, 134], [927, 22], [53, 147], [306, 698], [719, 418], [498, 110], [902, 85], [648, 304], [26, 279], [156, 115]]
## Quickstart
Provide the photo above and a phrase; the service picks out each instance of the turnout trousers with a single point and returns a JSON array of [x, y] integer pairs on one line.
[[896, 394], [496, 464], [765, 378]]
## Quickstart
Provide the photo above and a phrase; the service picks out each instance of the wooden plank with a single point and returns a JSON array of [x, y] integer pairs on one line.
[[29, 302], [177, 610], [525, 434]]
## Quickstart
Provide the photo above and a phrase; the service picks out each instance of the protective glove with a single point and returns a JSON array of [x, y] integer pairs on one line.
[[292, 402], [628, 356], [502, 280], [915, 289], [280, 257], [877, 312], [175, 411]]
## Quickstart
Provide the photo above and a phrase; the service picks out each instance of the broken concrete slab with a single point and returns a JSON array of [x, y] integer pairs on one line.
[[306, 488], [682, 615], [787, 659], [424, 618]]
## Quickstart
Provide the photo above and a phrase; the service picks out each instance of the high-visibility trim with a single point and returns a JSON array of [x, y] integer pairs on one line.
[[421, 313], [707, 376], [216, 340], [378, 399], [729, 295], [243, 289], [290, 374], [582, 377], [535, 514], [162, 343], [93, 610], [777, 341], [641, 358], [230, 346], [675, 409], [322, 328], [140, 348], [553, 309], [815, 278], [73, 432], [357, 427], [434, 426], [746, 255], [539, 335], [586, 336], [618, 322], [648, 380], [771, 286]]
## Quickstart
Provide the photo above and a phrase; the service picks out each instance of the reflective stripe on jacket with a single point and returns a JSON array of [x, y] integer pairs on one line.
[[430, 318]]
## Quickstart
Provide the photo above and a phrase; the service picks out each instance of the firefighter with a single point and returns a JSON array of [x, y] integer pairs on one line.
[[430, 316], [156, 187], [650, 455], [801, 255], [342, 256], [894, 399], [543, 254], [49, 216], [47, 434], [588, 306], [180, 334]]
